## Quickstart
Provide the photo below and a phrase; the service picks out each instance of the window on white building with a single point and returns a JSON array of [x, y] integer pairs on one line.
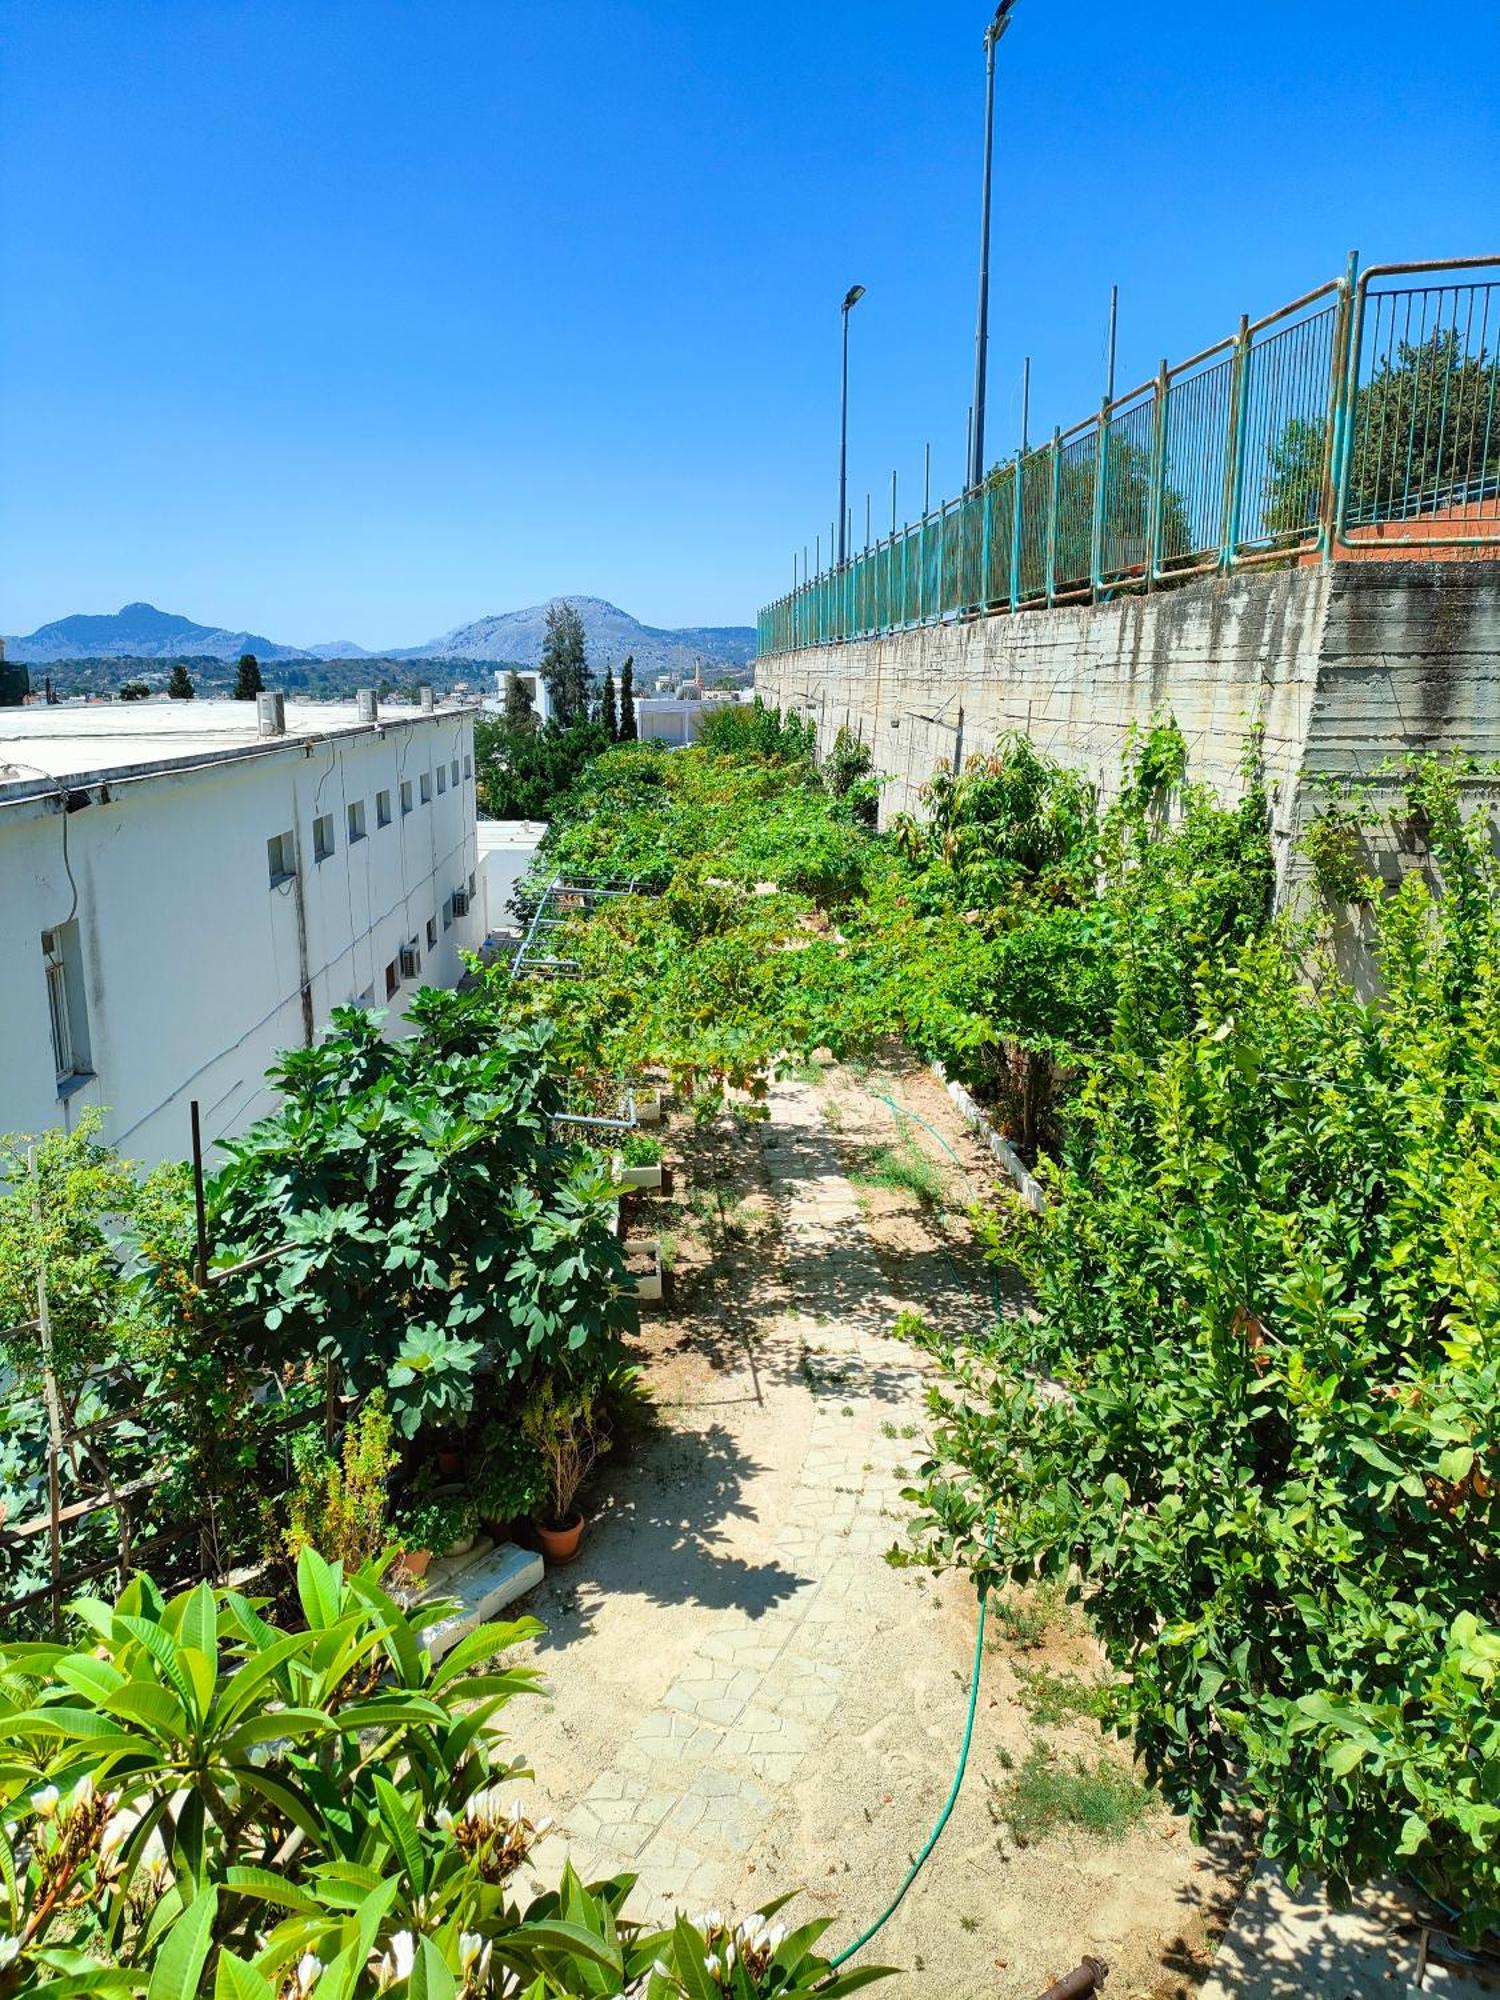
[[382, 808], [356, 821], [442, 778], [468, 767], [323, 837], [471, 888], [426, 788], [453, 772], [63, 958], [392, 980], [405, 797], [281, 857], [431, 932], [448, 913], [411, 960]]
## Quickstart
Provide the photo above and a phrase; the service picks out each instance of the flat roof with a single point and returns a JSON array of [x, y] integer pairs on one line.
[[86, 742]]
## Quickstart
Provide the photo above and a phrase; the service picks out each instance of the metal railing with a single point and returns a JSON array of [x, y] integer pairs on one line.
[[1361, 420]]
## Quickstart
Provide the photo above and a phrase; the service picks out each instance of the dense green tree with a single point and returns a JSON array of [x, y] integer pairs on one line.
[[564, 664], [520, 709], [134, 691], [609, 720], [523, 771], [247, 681], [179, 686], [1426, 437], [628, 729]]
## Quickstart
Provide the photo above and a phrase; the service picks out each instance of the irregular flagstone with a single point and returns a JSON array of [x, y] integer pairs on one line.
[[696, 1785]]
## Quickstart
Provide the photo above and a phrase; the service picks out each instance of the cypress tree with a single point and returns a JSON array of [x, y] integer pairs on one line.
[[609, 720], [248, 683], [628, 730], [520, 710], [564, 665], [179, 687]]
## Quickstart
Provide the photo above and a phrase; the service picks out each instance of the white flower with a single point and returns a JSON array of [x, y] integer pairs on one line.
[[442, 1819], [662, 1969], [474, 1955], [729, 1956], [45, 1801], [10, 1949], [309, 1966], [711, 1920], [544, 1825], [398, 1961], [711, 1965], [776, 1937], [83, 1794]]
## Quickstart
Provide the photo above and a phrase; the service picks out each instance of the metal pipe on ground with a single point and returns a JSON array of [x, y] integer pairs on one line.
[[1078, 1984]]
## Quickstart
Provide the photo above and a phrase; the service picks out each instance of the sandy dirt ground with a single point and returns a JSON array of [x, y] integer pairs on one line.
[[745, 1697]]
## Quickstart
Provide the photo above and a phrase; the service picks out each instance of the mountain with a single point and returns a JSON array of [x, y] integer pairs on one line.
[[515, 638], [140, 632]]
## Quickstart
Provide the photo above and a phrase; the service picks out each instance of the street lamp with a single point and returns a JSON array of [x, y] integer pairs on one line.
[[851, 299], [992, 35]]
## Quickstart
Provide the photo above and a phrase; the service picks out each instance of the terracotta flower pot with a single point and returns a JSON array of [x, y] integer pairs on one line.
[[412, 1563], [560, 1545]]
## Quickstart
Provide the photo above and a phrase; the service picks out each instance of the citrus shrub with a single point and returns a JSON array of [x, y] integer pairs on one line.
[[1254, 1414]]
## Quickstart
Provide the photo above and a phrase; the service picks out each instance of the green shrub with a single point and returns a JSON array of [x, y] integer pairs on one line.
[[338, 1505], [1256, 1407]]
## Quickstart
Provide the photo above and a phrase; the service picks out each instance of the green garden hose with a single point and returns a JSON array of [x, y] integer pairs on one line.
[[951, 1801]]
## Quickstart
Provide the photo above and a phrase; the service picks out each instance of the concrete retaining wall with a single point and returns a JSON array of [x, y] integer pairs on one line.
[[1342, 668]]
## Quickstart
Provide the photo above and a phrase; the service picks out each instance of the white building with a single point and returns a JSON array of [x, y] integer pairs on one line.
[[530, 677], [182, 896], [507, 848]]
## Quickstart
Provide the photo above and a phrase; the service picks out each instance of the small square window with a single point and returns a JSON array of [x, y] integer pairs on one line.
[[442, 778], [356, 821], [431, 932], [382, 808], [405, 796], [323, 837], [448, 913], [468, 767], [281, 858], [453, 772], [426, 783], [392, 980]]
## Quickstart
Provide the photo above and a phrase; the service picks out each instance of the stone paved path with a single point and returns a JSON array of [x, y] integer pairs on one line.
[[696, 1782]]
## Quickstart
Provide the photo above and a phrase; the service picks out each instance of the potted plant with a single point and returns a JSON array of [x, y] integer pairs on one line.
[[569, 1431], [510, 1482], [435, 1524], [639, 1163]]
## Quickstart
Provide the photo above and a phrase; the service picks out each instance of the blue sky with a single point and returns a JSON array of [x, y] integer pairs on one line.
[[360, 318]]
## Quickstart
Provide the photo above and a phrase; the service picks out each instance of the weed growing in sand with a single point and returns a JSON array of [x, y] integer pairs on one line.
[[1053, 1700], [1050, 1794], [1024, 1618], [903, 1168]]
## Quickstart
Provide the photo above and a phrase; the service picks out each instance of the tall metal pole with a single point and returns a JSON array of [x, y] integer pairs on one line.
[[1025, 405], [851, 299], [992, 35], [1114, 318]]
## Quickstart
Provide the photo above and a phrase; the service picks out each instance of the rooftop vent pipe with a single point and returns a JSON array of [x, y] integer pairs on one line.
[[365, 705], [424, 697], [270, 712]]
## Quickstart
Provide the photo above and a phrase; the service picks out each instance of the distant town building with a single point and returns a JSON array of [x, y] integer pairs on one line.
[[188, 888], [15, 682]]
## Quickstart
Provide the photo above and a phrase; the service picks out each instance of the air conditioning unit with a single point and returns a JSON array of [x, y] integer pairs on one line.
[[411, 964], [460, 902]]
